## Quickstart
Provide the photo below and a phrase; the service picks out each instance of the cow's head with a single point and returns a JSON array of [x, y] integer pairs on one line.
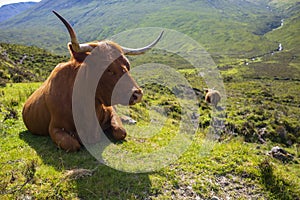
[[128, 92]]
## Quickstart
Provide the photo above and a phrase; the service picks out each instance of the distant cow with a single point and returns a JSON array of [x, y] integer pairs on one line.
[[48, 111], [213, 97]]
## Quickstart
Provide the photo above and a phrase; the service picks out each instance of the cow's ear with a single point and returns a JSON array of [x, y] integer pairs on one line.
[[72, 52], [78, 56], [70, 49]]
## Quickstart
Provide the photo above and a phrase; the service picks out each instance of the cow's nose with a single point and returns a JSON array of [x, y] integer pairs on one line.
[[137, 96]]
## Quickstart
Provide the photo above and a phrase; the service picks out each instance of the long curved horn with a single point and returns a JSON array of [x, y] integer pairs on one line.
[[129, 51], [75, 44]]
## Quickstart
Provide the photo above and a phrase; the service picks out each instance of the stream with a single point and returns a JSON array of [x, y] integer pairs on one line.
[[279, 48]]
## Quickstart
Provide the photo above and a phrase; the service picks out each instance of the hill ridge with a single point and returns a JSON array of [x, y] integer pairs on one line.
[[10, 10]]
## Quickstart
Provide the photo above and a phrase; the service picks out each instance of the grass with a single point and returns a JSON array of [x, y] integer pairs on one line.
[[236, 165], [32, 166], [21, 63]]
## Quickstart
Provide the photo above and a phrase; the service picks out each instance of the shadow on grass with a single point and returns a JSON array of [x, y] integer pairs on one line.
[[105, 182], [276, 185]]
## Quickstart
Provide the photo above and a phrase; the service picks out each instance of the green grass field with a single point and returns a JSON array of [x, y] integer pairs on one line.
[[33, 167]]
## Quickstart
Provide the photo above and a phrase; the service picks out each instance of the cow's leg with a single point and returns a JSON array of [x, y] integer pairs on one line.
[[118, 131], [63, 139]]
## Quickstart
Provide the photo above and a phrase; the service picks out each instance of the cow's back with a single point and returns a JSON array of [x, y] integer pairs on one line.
[[35, 112]]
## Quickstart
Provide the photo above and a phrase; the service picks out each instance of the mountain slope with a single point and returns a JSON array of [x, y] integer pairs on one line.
[[22, 64], [222, 27], [11, 10]]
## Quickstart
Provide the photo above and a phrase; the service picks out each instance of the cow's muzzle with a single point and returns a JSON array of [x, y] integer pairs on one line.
[[136, 96]]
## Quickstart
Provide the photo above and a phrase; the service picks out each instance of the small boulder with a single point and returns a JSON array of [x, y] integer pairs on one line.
[[215, 198], [281, 154], [128, 120]]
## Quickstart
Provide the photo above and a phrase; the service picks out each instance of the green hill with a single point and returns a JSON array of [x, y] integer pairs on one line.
[[10, 10], [223, 27], [23, 63]]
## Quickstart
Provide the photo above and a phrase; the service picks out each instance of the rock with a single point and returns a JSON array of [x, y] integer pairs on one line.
[[78, 173], [195, 116], [281, 154], [215, 198], [261, 134], [198, 198], [128, 120]]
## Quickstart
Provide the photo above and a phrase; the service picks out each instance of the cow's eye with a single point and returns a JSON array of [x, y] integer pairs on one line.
[[110, 72]]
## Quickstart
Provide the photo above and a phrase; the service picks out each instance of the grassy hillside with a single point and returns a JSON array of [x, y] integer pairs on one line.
[[32, 166], [222, 27], [23, 64], [261, 113]]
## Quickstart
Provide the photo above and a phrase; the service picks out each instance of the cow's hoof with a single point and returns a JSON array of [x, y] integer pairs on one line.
[[69, 145]]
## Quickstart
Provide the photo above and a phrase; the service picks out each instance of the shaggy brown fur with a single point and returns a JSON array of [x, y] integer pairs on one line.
[[212, 96], [48, 111]]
